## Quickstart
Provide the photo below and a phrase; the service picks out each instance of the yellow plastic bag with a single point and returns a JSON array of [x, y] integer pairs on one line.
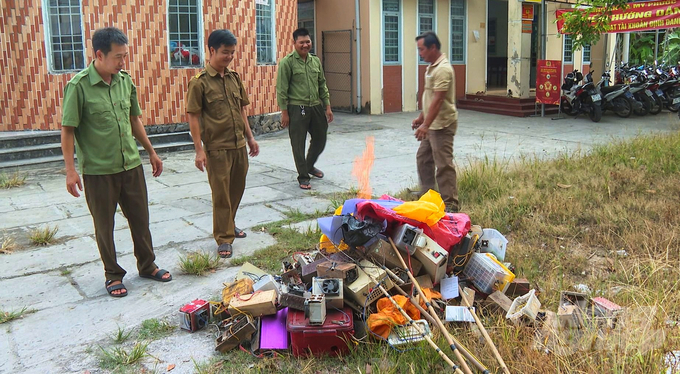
[[428, 209], [387, 316]]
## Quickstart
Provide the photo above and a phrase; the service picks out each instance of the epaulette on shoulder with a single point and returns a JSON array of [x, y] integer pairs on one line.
[[125, 72], [200, 74], [76, 78]]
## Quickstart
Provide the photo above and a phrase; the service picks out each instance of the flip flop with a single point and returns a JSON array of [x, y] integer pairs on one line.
[[240, 234], [225, 247], [317, 173], [305, 186], [158, 277], [115, 287]]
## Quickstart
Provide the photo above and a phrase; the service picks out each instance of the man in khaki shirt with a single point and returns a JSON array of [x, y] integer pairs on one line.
[[437, 123], [216, 101]]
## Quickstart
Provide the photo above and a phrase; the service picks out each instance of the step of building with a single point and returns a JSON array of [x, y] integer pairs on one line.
[[504, 105], [35, 151], [29, 138]]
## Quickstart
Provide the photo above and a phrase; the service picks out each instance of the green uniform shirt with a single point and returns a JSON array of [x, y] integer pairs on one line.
[[301, 82], [219, 100], [101, 114]]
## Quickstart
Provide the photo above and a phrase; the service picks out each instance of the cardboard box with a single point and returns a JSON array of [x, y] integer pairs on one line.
[[260, 303], [341, 270]]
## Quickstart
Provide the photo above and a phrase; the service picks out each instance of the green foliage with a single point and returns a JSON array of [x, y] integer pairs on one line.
[[641, 48], [585, 27], [671, 52]]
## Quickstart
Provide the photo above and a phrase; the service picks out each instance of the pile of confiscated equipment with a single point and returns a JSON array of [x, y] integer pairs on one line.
[[384, 268]]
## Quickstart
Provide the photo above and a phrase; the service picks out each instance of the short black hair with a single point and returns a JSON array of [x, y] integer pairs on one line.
[[103, 39], [300, 32], [221, 37], [429, 39]]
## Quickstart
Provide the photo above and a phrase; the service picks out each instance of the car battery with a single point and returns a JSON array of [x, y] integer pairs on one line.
[[195, 315], [333, 269], [331, 338], [432, 256], [315, 310], [404, 237], [364, 290], [331, 288], [382, 253]]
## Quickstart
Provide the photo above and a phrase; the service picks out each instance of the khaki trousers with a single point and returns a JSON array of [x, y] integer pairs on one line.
[[127, 189], [227, 169], [435, 164]]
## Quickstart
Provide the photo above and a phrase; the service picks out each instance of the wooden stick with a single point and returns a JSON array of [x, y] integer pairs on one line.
[[415, 325], [486, 335], [434, 315]]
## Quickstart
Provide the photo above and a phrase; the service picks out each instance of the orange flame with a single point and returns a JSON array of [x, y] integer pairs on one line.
[[362, 170]]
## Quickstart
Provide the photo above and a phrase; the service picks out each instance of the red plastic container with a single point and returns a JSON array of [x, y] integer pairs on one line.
[[330, 339]]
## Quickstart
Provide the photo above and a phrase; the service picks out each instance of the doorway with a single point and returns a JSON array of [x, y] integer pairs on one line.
[[497, 48]]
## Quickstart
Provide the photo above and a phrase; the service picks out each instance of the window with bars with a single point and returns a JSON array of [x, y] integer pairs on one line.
[[64, 35], [568, 49], [586, 54], [306, 20], [265, 40], [457, 31], [391, 21], [425, 18], [184, 23]]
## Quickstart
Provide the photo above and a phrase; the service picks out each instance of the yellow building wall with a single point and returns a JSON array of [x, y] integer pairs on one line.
[[476, 47], [410, 55], [374, 54]]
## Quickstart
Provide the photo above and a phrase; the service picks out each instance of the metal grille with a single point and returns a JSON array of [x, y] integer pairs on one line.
[[183, 31], [306, 20], [264, 19], [66, 35], [457, 30], [425, 18], [586, 53], [337, 66], [391, 38]]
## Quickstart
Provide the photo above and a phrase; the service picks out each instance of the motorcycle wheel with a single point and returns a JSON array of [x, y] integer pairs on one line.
[[622, 106], [646, 105], [595, 113], [673, 108], [657, 105]]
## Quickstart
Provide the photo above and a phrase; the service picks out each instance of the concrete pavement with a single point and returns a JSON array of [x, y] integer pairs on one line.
[[63, 282]]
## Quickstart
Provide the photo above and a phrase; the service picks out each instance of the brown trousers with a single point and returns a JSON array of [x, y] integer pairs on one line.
[[227, 171], [127, 189], [436, 152]]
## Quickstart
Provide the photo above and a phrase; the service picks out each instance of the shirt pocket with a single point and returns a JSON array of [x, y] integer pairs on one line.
[[217, 104], [236, 95], [101, 115]]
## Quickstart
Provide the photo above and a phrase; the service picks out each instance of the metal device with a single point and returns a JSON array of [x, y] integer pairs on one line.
[[404, 237], [331, 288], [315, 309]]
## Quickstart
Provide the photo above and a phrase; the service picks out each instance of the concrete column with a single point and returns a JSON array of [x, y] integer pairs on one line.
[[626, 47], [519, 52], [410, 56], [476, 46], [610, 60]]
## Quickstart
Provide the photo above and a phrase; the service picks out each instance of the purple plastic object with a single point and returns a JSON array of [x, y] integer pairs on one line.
[[273, 333]]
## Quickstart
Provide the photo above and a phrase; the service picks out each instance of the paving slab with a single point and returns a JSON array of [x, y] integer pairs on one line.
[[8, 360], [305, 226], [33, 217], [76, 251], [258, 195], [306, 205], [37, 291], [168, 195]]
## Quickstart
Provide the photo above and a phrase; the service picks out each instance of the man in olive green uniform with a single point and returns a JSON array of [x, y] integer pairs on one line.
[[305, 105], [101, 110], [437, 123], [216, 101]]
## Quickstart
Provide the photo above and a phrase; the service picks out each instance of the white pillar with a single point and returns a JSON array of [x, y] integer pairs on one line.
[[626, 47]]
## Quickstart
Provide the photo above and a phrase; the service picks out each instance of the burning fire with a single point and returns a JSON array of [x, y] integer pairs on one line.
[[362, 170]]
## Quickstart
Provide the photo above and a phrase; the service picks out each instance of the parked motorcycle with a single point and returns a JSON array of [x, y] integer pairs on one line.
[[580, 98], [616, 98]]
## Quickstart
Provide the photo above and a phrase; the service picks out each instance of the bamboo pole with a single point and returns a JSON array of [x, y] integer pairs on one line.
[[486, 335], [434, 315]]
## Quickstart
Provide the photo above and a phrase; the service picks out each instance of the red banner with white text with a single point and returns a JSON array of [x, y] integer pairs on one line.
[[640, 16]]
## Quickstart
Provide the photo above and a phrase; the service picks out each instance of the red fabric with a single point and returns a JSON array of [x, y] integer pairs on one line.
[[447, 232]]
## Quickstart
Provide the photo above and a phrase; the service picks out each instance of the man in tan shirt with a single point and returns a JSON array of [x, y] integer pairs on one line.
[[437, 123], [216, 101]]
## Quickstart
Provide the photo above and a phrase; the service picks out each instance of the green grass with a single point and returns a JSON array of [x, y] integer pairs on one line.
[[121, 336], [16, 314], [13, 180], [43, 236], [153, 329], [199, 263], [117, 357], [288, 241]]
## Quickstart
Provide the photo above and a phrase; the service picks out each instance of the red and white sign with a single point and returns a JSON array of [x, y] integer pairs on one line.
[[639, 16]]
